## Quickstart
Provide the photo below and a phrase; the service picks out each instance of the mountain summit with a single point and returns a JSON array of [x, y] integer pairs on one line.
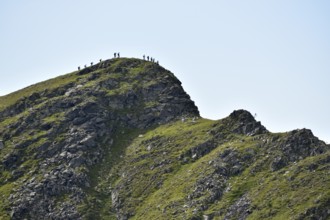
[[122, 140]]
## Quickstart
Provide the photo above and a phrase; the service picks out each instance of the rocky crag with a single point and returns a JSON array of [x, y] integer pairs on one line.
[[122, 140]]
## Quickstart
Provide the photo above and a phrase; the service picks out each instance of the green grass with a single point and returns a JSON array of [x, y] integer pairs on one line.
[[129, 146], [270, 192], [50, 84], [291, 191], [98, 203], [181, 182], [5, 191]]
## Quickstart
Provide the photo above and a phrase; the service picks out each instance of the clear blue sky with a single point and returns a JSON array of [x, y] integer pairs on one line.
[[269, 57]]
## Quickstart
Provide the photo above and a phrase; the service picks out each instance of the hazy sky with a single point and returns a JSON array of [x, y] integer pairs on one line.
[[269, 57]]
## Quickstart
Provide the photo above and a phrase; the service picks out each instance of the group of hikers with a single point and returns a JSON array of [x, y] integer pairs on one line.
[[117, 55], [150, 59]]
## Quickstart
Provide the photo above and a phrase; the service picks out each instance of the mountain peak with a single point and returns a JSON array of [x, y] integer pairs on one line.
[[242, 115], [246, 123], [122, 139], [123, 83]]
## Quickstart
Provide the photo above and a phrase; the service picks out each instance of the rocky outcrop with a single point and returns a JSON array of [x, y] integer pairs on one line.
[[244, 123], [239, 210], [298, 145]]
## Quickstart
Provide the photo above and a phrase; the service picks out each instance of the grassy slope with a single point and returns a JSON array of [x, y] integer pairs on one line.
[[50, 84], [129, 146], [284, 194]]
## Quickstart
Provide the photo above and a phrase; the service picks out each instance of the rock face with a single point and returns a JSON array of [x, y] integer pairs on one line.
[[121, 140]]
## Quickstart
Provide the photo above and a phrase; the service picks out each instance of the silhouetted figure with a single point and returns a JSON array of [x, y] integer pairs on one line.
[[157, 62], [115, 54], [144, 57], [118, 54], [78, 67], [85, 66], [148, 58], [91, 63], [100, 60]]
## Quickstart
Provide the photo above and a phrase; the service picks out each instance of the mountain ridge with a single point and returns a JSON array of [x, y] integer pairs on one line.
[[122, 140]]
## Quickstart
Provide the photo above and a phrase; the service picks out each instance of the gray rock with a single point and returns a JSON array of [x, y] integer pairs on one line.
[[239, 210], [10, 159], [77, 162]]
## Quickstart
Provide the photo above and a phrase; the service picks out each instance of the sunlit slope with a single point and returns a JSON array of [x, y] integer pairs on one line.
[[122, 140]]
